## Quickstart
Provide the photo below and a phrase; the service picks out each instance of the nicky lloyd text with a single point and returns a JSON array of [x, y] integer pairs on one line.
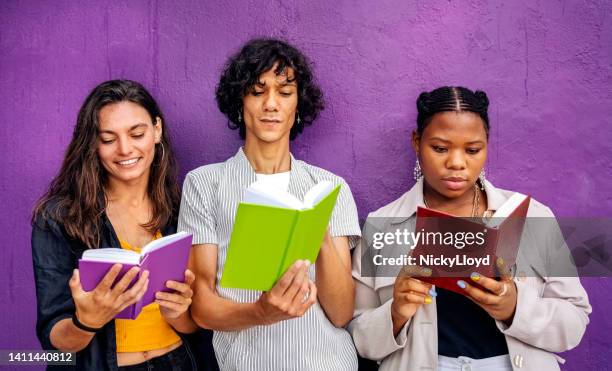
[[439, 261]]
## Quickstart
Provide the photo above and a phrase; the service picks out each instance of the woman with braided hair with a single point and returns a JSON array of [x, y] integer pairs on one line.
[[498, 325]]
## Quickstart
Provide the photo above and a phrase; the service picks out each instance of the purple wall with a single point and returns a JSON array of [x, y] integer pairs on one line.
[[546, 65]]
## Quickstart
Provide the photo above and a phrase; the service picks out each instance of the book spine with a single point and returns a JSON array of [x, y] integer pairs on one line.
[[137, 306], [285, 264], [132, 311]]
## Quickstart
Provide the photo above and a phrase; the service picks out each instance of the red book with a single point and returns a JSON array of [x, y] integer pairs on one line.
[[165, 258], [444, 246]]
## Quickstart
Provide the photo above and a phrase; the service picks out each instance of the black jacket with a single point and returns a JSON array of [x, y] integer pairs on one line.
[[55, 255]]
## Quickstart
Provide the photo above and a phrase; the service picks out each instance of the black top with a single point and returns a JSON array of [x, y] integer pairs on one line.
[[55, 255], [465, 329]]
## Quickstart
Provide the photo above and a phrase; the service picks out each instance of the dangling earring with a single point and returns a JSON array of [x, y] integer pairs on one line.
[[239, 116], [298, 119], [481, 178], [417, 173]]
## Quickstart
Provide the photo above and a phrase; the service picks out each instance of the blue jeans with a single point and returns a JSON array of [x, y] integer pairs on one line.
[[179, 359], [498, 363]]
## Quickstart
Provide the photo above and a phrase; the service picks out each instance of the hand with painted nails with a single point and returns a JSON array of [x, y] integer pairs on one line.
[[498, 298], [409, 294], [173, 304], [97, 307], [290, 297]]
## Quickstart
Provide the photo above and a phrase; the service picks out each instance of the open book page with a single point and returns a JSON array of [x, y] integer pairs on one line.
[[112, 255], [317, 193], [505, 210], [259, 194], [161, 242]]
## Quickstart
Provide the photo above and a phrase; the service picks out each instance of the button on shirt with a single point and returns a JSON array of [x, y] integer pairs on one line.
[[211, 195]]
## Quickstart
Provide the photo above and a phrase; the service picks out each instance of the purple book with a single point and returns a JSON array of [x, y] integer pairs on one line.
[[165, 259]]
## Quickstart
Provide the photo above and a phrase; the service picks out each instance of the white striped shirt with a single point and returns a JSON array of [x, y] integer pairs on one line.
[[211, 195]]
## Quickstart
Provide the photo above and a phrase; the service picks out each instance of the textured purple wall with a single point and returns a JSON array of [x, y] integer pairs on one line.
[[546, 65]]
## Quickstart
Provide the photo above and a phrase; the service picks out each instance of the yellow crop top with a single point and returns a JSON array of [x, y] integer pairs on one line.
[[149, 330]]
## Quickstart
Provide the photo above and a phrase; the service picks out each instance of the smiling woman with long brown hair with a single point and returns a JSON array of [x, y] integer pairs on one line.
[[116, 188]]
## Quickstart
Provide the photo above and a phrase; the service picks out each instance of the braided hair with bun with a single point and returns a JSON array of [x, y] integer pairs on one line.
[[451, 99]]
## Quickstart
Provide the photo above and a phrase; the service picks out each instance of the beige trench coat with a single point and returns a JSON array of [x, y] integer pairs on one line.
[[551, 313]]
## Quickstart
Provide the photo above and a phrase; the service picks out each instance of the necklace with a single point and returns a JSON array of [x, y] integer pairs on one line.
[[474, 204]]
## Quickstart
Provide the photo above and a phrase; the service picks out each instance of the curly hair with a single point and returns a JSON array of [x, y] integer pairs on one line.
[[453, 99], [242, 72]]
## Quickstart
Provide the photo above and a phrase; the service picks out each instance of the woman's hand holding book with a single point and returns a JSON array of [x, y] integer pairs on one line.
[[97, 307], [173, 305], [498, 298], [409, 294]]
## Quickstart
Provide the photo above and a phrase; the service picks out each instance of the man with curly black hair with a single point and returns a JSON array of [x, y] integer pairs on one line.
[[267, 91]]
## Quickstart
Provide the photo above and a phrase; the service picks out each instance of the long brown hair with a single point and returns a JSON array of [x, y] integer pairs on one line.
[[76, 199]]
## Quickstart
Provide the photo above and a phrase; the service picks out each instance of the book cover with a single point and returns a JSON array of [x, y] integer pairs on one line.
[[266, 240], [501, 235], [167, 260]]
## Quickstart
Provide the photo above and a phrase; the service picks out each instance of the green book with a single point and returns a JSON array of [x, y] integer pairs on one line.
[[272, 230]]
